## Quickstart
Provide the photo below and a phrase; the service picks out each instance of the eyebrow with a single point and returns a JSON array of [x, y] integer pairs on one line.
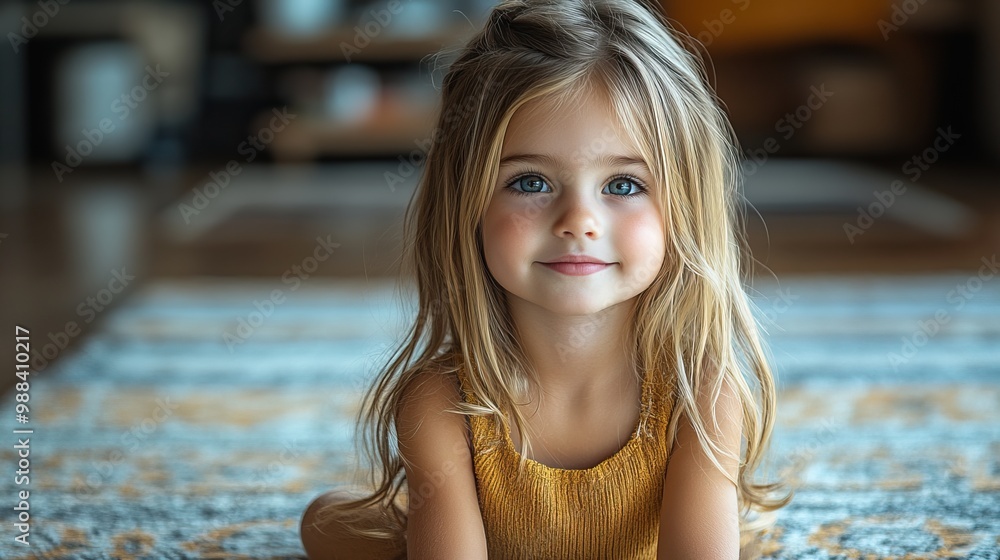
[[605, 160]]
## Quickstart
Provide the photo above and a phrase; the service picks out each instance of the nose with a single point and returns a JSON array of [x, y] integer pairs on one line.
[[578, 216]]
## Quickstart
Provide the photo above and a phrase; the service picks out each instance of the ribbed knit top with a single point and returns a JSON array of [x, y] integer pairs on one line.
[[611, 510]]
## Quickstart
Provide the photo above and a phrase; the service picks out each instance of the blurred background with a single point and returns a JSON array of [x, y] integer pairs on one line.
[[143, 140]]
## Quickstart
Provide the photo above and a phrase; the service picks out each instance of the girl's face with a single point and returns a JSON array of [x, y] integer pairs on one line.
[[570, 183]]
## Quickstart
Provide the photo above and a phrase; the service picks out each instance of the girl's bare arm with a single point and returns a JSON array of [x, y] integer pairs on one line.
[[444, 520], [699, 517]]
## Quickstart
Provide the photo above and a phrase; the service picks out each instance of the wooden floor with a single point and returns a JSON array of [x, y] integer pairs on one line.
[[55, 256]]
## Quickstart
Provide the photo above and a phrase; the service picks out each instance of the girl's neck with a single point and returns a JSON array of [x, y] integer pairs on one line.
[[576, 359]]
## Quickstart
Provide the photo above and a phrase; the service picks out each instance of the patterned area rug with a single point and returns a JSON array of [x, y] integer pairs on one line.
[[198, 421]]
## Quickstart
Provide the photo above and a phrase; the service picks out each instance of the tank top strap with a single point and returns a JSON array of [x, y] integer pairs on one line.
[[658, 398], [463, 382], [482, 429]]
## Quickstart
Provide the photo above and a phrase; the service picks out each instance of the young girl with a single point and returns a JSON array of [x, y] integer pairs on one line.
[[584, 378]]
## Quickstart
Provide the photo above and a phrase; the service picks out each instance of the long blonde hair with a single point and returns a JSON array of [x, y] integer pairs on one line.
[[694, 318]]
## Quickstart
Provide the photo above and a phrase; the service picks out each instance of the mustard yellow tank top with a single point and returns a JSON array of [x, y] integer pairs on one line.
[[611, 510]]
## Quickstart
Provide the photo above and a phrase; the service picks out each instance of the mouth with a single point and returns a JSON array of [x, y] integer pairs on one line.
[[576, 259], [577, 268]]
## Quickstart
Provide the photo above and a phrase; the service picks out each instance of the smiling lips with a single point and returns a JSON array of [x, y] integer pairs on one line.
[[576, 265]]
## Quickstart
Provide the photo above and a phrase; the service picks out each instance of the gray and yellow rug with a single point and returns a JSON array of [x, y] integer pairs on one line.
[[198, 421]]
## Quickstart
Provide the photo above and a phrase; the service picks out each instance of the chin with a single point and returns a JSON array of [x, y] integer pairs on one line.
[[576, 307]]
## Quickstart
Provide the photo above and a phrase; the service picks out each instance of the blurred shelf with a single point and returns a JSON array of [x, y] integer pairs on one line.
[[387, 132], [337, 45], [402, 119]]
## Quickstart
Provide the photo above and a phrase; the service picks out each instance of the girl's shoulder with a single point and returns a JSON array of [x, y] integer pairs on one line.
[[433, 385], [430, 391], [423, 420]]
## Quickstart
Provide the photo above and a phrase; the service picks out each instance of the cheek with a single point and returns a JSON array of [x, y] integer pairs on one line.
[[646, 228], [512, 221], [643, 234], [503, 233]]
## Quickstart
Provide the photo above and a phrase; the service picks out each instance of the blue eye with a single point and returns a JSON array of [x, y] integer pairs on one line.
[[622, 186], [618, 184], [529, 184]]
